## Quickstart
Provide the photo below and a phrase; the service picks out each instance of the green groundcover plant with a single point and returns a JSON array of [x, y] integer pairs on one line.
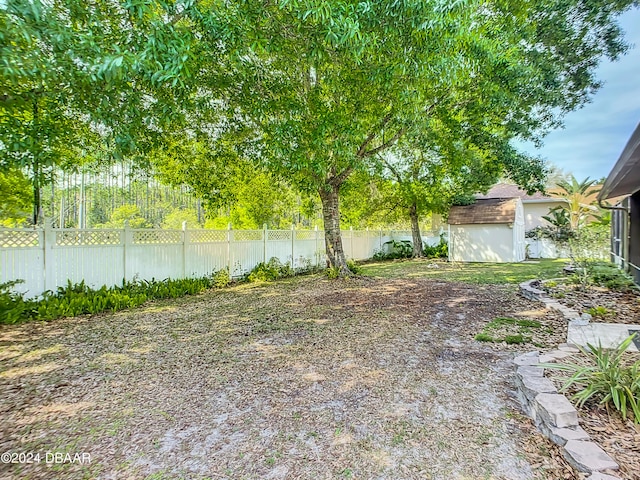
[[78, 299], [607, 379]]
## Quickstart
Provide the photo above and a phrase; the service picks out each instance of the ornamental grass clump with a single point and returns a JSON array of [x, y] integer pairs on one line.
[[607, 379]]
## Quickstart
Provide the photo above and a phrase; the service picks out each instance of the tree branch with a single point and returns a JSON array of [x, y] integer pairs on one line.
[[372, 135], [386, 144], [393, 170]]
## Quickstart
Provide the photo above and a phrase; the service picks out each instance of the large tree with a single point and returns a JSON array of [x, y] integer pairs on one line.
[[77, 74], [324, 85], [331, 84]]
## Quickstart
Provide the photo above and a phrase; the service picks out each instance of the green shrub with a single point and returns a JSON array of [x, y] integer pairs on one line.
[[221, 278], [610, 276], [441, 250], [270, 271], [354, 267], [607, 379], [332, 273], [78, 299], [599, 311], [13, 306], [396, 249]]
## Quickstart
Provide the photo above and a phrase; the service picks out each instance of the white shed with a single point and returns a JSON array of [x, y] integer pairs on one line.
[[490, 230]]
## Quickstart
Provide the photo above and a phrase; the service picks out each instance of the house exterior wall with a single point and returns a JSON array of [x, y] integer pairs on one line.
[[533, 213], [482, 243], [634, 236]]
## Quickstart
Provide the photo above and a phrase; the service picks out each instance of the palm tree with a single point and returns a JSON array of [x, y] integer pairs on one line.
[[559, 218], [576, 194]]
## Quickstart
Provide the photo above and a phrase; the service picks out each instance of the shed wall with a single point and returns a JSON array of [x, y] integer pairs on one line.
[[482, 243]]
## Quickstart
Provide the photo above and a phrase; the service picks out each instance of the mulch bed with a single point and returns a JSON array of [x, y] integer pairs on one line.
[[619, 438], [622, 307]]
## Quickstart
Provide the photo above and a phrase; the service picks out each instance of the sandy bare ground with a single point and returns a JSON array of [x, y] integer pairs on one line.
[[306, 378]]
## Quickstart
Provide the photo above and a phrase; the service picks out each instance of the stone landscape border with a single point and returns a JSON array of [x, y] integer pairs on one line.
[[552, 413]]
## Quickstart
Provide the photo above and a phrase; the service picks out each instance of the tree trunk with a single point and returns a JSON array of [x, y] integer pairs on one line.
[[37, 198], [332, 235], [415, 231], [37, 174]]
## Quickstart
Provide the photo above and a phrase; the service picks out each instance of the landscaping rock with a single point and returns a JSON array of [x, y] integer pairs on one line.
[[586, 317], [533, 386], [561, 436], [588, 456], [569, 313], [568, 347], [546, 359], [579, 322], [553, 304], [530, 371], [602, 476], [558, 354], [556, 410], [530, 358]]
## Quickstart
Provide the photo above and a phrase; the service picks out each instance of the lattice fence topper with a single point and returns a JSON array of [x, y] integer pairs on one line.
[[204, 236], [18, 238], [364, 234], [157, 236], [280, 234], [247, 235], [88, 237], [305, 234]]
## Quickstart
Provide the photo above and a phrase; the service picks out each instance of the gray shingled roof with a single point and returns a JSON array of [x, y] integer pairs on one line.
[[505, 190]]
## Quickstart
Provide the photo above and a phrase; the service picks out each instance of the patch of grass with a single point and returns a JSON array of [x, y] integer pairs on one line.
[[513, 330], [483, 337], [501, 321], [480, 273], [515, 339]]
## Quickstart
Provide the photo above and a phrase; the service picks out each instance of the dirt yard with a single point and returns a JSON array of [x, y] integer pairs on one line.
[[369, 378]]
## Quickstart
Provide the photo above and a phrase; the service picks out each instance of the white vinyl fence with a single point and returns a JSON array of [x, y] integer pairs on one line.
[[47, 258], [544, 248]]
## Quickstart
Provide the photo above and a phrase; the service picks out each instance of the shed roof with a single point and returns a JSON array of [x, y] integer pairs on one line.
[[624, 178], [489, 210], [507, 190]]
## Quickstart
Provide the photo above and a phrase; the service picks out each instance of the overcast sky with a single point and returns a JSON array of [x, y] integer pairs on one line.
[[594, 137]]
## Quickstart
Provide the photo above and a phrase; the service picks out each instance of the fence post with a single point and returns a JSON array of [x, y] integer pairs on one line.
[[229, 262], [368, 244], [293, 238], [264, 243], [49, 237], [317, 249], [184, 249], [127, 240], [351, 242]]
